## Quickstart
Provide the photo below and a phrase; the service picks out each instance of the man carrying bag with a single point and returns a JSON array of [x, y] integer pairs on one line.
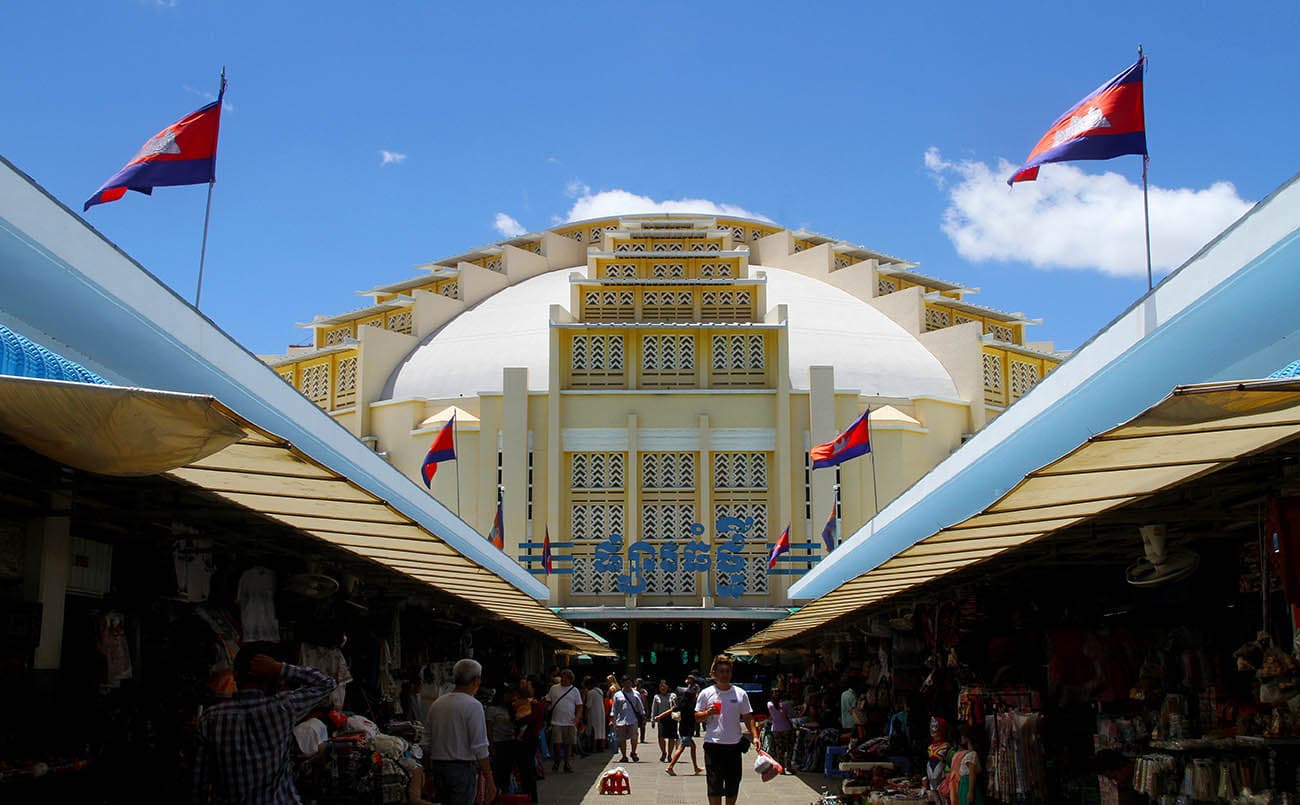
[[722, 708], [564, 709]]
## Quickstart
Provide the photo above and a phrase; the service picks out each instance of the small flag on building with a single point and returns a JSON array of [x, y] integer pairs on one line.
[[853, 442], [828, 531], [497, 536], [442, 449], [546, 551], [183, 153], [1110, 122], [782, 546]]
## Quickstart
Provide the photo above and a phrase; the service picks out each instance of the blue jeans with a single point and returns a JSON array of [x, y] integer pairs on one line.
[[456, 781]]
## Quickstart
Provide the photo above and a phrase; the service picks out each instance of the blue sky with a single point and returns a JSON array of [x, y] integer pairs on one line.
[[882, 124]]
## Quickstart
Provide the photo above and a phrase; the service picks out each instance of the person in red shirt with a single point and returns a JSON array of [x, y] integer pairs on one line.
[[529, 717]]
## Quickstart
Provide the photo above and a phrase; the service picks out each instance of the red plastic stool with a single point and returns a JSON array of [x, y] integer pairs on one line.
[[615, 782], [512, 799]]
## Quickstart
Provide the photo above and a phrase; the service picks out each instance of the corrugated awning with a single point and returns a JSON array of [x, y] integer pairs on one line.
[[1194, 431], [195, 439]]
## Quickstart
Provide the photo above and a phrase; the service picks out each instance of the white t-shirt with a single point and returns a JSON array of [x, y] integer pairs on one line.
[[563, 701], [456, 729], [724, 729]]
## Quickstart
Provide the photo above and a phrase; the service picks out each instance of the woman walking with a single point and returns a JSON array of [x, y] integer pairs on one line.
[[778, 711], [686, 726], [661, 711]]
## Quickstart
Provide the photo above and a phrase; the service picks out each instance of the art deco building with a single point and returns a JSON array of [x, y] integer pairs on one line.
[[645, 390]]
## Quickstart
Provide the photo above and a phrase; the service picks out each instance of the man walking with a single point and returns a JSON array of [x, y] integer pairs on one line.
[[564, 702], [628, 712], [243, 744], [456, 741], [722, 707]]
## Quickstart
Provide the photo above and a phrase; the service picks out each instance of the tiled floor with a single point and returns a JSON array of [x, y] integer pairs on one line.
[[652, 786]]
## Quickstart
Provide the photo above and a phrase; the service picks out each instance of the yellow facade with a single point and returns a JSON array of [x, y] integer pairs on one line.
[[663, 390]]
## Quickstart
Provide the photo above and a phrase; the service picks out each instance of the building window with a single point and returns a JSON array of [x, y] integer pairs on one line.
[[286, 375], [596, 471], [709, 271], [671, 305], [451, 290], [668, 361], [885, 286], [595, 522], [727, 306], [1002, 333], [609, 305], [616, 271], [337, 336], [1023, 378], [740, 470], [993, 380], [597, 361], [667, 271]]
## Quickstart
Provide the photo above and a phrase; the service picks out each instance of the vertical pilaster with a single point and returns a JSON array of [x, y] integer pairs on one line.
[[822, 427], [706, 505], [49, 559], [632, 526], [514, 456]]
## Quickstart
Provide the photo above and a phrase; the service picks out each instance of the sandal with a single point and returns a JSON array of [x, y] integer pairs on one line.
[[670, 771]]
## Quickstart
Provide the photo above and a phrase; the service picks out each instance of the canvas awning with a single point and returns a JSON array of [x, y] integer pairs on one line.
[[1192, 432], [193, 438]]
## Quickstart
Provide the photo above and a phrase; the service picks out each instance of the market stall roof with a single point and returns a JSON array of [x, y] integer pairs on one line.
[[118, 431], [1194, 431], [65, 286]]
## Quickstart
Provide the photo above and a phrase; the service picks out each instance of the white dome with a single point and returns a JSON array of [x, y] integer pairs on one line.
[[828, 327]]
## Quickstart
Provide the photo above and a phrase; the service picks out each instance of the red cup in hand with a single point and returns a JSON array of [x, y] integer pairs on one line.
[[717, 708]]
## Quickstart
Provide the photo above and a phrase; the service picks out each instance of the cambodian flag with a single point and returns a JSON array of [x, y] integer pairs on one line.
[[497, 536], [782, 546], [1108, 123], [183, 153], [442, 449], [828, 531], [546, 551], [850, 444]]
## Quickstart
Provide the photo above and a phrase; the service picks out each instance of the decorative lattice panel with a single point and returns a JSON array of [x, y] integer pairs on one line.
[[400, 322], [745, 509], [596, 471], [668, 471], [667, 246], [1004, 334], [842, 261], [756, 575], [494, 264], [667, 520], [316, 383], [678, 582], [741, 351], [885, 286], [451, 290], [727, 305], [738, 234], [601, 352], [667, 271], [586, 581], [345, 389], [668, 352], [337, 336], [617, 271], [597, 233], [1023, 377], [618, 305], [286, 375], [937, 319], [957, 318], [671, 305], [740, 470], [596, 521], [711, 271]]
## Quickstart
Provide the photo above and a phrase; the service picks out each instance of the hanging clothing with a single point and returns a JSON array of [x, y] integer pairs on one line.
[[256, 599], [194, 568], [112, 644], [332, 662]]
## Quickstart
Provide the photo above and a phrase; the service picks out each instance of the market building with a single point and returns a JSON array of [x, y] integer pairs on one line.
[[642, 392]]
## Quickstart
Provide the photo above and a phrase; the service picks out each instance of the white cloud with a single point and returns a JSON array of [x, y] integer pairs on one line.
[[390, 158], [508, 226], [606, 203], [1072, 219], [576, 188]]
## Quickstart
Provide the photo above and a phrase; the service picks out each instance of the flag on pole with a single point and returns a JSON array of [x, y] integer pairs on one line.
[[546, 551], [782, 546], [497, 536], [1110, 122], [853, 442], [442, 449], [183, 153], [828, 531]]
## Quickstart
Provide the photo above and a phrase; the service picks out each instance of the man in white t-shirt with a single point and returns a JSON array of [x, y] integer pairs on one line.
[[722, 707], [564, 703]]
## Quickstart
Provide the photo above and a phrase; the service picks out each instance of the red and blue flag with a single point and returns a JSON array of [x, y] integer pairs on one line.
[[183, 153], [853, 442], [497, 536], [442, 449], [828, 531], [546, 551], [782, 546], [1110, 122]]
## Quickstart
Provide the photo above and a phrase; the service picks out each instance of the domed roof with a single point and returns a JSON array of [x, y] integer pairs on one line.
[[828, 326]]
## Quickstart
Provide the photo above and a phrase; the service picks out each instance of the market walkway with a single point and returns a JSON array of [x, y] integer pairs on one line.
[[651, 786]]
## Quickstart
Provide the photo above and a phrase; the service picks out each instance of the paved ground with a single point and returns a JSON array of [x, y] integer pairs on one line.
[[652, 786]]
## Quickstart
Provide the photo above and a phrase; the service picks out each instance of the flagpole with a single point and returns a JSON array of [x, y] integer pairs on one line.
[[1146, 160], [207, 213], [875, 501], [455, 448]]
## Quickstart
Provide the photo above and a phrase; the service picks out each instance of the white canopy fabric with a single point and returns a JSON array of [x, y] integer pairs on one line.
[[1194, 431], [195, 439]]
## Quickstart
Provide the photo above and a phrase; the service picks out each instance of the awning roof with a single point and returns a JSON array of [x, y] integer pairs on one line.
[[194, 438], [1194, 431]]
